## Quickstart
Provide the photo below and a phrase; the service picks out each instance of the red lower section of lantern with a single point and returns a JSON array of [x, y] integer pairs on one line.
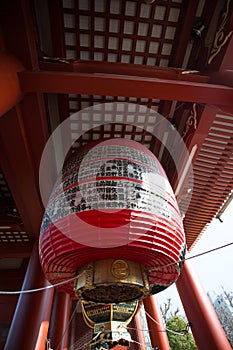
[[151, 241]]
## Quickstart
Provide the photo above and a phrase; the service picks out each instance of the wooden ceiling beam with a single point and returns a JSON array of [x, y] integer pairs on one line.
[[128, 69], [23, 134], [128, 86], [19, 173]]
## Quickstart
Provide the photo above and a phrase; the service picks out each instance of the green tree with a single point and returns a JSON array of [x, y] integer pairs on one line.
[[167, 311], [177, 324]]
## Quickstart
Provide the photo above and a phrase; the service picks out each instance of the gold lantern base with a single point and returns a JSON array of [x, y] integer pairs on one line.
[[109, 323], [111, 281]]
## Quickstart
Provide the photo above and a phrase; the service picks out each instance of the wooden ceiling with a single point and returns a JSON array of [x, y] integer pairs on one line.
[[172, 56]]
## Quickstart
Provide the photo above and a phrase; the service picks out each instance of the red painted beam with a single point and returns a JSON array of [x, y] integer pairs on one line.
[[129, 69], [117, 85], [23, 136]]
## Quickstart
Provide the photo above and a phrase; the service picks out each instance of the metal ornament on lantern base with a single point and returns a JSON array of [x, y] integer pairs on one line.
[[112, 281], [109, 323]]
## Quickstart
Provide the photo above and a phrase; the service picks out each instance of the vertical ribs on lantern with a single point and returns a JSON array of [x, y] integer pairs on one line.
[[113, 225]]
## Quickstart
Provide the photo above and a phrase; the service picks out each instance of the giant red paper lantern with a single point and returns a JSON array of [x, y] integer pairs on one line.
[[113, 219]]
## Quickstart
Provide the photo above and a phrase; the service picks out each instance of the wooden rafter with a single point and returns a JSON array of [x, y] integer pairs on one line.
[[116, 85]]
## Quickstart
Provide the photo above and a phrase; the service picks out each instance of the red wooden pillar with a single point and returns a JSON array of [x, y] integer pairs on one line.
[[140, 329], [10, 89], [206, 328], [159, 336], [33, 309], [73, 325], [42, 336], [59, 323]]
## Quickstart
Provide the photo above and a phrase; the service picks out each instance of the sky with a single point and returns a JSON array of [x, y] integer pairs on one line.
[[213, 269]]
